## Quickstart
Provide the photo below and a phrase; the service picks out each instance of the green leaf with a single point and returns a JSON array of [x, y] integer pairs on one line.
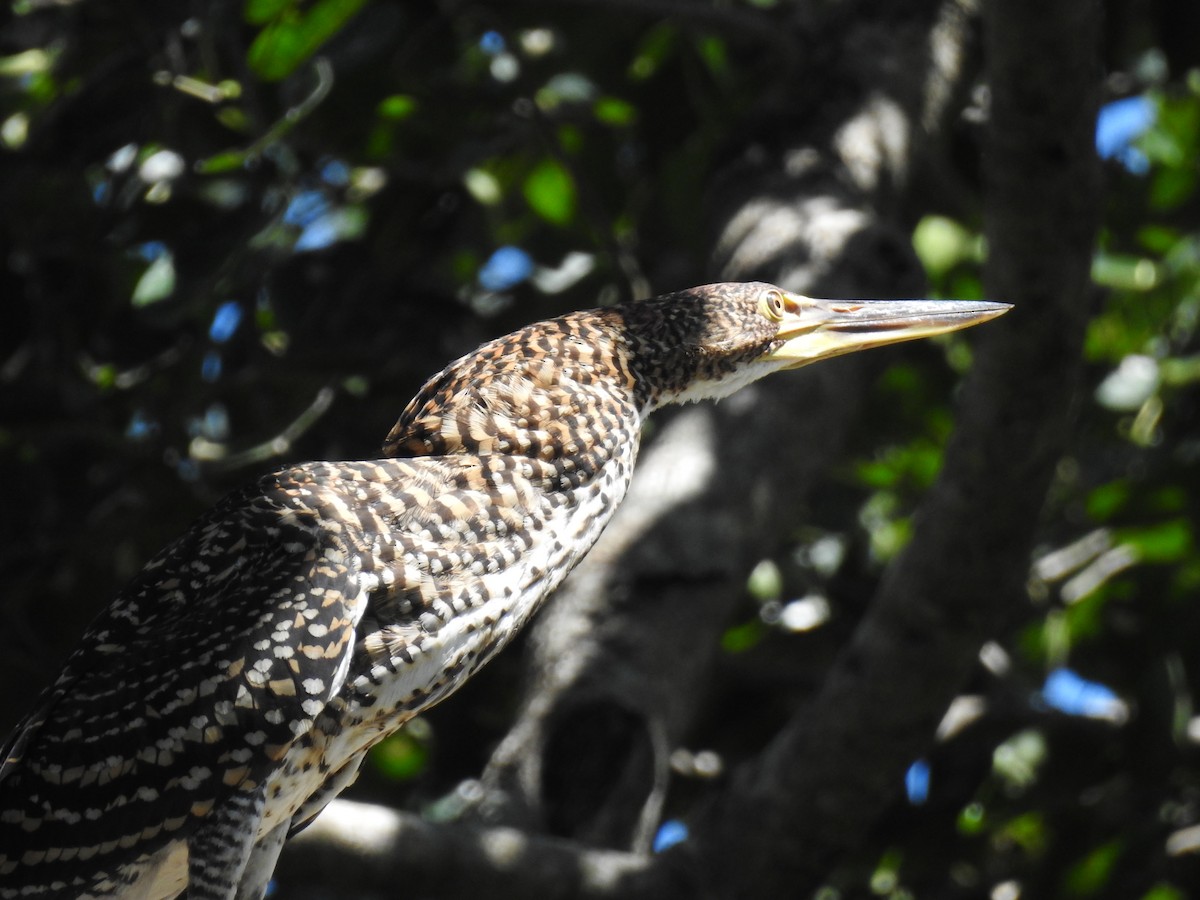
[[234, 118], [483, 186], [741, 638], [971, 819], [397, 107], [889, 538], [765, 581], [942, 244], [1107, 500], [221, 162], [550, 192], [1164, 891], [1180, 371], [1124, 272], [714, 53], [292, 36], [30, 62], [878, 473], [401, 757], [259, 12], [1018, 759], [967, 285], [156, 283], [1158, 238], [917, 462], [105, 376], [1166, 542], [1092, 873], [614, 111], [655, 47], [1027, 831], [1172, 188]]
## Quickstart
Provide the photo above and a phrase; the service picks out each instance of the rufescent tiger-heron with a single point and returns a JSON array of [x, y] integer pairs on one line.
[[233, 687]]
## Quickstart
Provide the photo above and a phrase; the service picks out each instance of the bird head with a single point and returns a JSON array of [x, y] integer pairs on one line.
[[709, 341]]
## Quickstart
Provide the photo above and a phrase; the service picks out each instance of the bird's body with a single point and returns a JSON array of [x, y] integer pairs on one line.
[[234, 686]]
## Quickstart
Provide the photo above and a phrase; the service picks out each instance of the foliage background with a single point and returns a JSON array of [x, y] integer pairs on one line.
[[246, 233]]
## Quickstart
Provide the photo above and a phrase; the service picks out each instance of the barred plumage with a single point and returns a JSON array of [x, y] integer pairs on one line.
[[233, 687]]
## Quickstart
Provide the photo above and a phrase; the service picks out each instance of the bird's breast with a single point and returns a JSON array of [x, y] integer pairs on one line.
[[454, 562]]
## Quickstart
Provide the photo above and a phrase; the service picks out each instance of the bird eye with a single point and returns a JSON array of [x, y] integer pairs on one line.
[[772, 305]]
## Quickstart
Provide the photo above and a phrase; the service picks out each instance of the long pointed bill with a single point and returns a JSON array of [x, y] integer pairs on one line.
[[818, 329]]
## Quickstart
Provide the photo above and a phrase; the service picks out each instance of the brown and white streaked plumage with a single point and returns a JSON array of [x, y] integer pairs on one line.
[[233, 687]]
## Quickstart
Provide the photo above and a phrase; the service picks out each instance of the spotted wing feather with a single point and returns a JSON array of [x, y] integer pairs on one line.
[[191, 686]]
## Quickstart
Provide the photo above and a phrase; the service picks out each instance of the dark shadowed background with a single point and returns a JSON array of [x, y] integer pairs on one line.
[[831, 645]]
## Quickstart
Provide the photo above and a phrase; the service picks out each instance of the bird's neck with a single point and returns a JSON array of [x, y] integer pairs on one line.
[[558, 391]]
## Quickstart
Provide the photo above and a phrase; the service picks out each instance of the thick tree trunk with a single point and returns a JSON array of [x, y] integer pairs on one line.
[[619, 659]]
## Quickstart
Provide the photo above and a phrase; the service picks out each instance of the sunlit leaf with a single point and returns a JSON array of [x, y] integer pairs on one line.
[[765, 581], [256, 12], [400, 757], [104, 376], [221, 162], [28, 62], [916, 463], [1158, 238], [157, 282], [1130, 385], [1165, 542], [889, 538], [14, 131], [483, 186], [1124, 272], [971, 819], [942, 244], [293, 35], [397, 107], [966, 286], [1107, 500], [550, 191], [1018, 759], [563, 89], [614, 111], [878, 473]]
